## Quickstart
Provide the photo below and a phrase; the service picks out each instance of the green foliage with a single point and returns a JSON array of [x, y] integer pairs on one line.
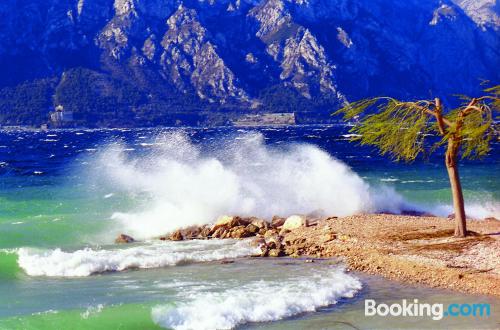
[[400, 129], [283, 99], [495, 104], [27, 103], [476, 135], [94, 97]]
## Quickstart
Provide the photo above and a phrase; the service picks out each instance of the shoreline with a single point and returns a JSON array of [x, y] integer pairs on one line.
[[408, 249]]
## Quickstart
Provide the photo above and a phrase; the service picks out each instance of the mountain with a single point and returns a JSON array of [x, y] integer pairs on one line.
[[153, 62]]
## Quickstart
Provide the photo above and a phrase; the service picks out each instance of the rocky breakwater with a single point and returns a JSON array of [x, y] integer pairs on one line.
[[269, 235]]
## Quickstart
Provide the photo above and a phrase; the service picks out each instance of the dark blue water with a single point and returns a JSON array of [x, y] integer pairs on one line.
[[48, 154]]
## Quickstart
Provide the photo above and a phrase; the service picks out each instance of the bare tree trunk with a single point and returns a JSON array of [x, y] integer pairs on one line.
[[456, 189]]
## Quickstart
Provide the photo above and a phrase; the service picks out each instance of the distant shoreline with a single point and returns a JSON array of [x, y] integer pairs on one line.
[[34, 128]]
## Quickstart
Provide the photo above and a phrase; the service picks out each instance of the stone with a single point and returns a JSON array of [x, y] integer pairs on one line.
[[273, 242], [259, 223], [327, 237], [294, 222], [277, 221], [225, 233], [123, 239], [240, 232], [218, 232], [258, 242], [252, 229], [270, 232], [205, 231], [344, 237], [284, 231], [275, 253], [265, 251], [191, 232], [176, 236], [227, 222], [223, 221]]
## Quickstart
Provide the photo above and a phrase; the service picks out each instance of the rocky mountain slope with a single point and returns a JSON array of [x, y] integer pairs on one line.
[[148, 62]]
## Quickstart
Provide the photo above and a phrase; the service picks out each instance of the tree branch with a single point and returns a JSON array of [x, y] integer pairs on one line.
[[439, 116], [471, 106]]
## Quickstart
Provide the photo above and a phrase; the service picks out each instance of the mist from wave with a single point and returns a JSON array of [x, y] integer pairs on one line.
[[187, 184]]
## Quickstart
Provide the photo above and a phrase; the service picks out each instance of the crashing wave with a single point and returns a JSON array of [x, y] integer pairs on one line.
[[89, 261], [259, 301]]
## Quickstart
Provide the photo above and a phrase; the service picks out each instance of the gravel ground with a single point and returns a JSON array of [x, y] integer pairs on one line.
[[407, 248]]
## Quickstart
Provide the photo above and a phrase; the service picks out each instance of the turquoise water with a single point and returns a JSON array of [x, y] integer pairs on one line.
[[65, 195]]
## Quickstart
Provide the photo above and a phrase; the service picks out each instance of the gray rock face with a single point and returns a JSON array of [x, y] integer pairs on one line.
[[485, 13], [236, 51], [303, 60], [189, 59]]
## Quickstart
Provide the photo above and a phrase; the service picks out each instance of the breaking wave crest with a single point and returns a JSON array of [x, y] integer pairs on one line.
[[188, 184], [259, 301], [88, 261]]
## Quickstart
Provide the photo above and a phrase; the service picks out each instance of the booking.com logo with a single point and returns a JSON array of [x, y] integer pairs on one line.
[[435, 311]]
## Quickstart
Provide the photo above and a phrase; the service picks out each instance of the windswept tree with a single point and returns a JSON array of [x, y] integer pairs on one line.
[[404, 130]]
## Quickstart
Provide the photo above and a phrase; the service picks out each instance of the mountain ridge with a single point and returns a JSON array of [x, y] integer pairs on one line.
[[161, 58]]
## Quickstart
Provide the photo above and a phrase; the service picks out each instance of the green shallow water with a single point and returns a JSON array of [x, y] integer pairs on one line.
[[125, 300], [125, 317], [8, 265]]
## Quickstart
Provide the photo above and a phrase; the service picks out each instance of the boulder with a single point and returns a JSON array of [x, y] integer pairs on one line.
[[240, 232], [252, 229], [284, 231], [256, 242], [245, 221], [259, 223], [275, 253], [176, 236], [218, 232], [270, 232], [205, 231], [227, 222], [225, 233], [273, 242], [122, 239], [277, 221], [294, 222], [265, 250], [191, 232]]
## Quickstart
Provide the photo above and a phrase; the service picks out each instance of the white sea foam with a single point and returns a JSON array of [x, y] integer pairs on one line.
[[259, 301], [88, 261], [474, 210], [92, 311], [187, 185]]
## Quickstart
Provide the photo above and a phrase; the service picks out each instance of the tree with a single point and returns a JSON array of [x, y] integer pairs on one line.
[[403, 130]]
